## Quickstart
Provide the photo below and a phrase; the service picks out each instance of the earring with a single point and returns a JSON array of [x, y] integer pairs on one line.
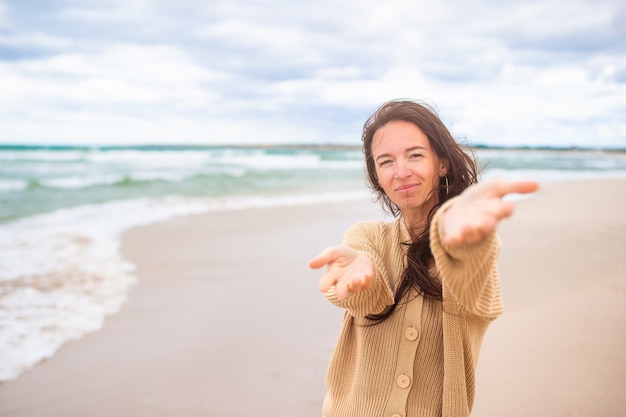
[[446, 177]]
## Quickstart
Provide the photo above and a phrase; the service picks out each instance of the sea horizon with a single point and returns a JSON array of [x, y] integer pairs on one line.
[[339, 146]]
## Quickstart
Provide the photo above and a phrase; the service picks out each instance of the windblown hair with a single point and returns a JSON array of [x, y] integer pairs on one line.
[[461, 173]]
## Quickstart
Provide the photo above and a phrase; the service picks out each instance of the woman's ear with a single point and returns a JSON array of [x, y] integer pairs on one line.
[[443, 169]]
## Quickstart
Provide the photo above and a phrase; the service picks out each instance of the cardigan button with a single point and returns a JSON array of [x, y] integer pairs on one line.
[[411, 333], [396, 415], [403, 381]]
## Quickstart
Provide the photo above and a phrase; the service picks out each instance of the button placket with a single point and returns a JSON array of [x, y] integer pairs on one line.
[[409, 335]]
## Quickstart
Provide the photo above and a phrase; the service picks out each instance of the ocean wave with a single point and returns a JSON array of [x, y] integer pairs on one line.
[[262, 161], [124, 180], [79, 182], [7, 185], [36, 321], [75, 182], [161, 158], [254, 159], [42, 155]]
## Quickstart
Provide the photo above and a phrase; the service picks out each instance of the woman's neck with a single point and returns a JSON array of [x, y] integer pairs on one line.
[[416, 219], [415, 226]]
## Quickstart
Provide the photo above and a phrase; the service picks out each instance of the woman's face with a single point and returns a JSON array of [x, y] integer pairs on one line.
[[407, 168]]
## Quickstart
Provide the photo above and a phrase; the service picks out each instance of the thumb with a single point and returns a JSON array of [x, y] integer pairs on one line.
[[327, 256], [317, 262], [519, 187]]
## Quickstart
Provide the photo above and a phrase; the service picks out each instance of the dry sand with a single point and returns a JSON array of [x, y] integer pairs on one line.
[[227, 320]]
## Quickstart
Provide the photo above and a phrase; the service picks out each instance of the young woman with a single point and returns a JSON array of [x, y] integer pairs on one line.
[[418, 292]]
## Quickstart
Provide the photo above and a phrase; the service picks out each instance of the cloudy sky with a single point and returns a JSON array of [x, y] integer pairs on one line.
[[509, 72]]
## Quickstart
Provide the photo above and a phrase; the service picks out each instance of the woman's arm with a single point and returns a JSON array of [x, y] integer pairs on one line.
[[356, 276], [466, 248], [478, 210]]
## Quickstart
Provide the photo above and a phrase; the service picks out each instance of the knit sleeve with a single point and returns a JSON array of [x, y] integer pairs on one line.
[[468, 272], [364, 238]]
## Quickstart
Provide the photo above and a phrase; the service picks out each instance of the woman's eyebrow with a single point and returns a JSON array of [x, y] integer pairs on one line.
[[412, 148]]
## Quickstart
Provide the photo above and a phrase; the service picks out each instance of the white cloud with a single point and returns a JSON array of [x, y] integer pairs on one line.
[[105, 11], [35, 40], [532, 72], [120, 74], [3, 15]]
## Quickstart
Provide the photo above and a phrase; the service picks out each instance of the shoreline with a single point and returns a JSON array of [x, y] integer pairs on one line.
[[226, 309]]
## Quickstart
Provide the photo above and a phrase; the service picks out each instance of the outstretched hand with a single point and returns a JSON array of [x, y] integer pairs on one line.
[[348, 270], [478, 210]]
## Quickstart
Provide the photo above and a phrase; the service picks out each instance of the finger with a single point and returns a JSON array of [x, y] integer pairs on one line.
[[341, 290], [452, 239], [327, 256], [318, 262], [327, 281], [355, 285], [472, 235], [360, 284], [518, 187], [366, 283], [467, 235], [506, 209]]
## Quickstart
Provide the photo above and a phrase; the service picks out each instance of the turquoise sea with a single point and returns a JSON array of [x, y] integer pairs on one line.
[[63, 210]]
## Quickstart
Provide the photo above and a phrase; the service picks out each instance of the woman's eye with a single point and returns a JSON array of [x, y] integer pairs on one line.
[[385, 162], [416, 155]]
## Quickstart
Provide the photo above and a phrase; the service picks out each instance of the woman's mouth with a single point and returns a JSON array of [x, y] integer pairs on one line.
[[406, 188]]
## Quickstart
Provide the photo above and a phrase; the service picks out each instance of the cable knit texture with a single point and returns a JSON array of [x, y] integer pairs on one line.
[[421, 361]]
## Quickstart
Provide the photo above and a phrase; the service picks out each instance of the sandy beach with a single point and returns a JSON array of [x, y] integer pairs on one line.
[[227, 321]]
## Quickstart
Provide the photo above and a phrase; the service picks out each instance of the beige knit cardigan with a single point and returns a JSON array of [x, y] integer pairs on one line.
[[421, 361]]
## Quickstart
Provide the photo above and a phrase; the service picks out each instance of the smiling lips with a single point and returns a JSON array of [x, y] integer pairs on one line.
[[406, 188]]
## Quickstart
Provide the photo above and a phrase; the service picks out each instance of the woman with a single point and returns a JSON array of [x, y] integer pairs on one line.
[[418, 292]]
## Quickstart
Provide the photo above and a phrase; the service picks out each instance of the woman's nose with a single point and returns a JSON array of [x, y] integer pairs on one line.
[[402, 171]]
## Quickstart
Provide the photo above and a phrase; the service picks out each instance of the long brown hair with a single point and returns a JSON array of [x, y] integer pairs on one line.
[[461, 173]]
